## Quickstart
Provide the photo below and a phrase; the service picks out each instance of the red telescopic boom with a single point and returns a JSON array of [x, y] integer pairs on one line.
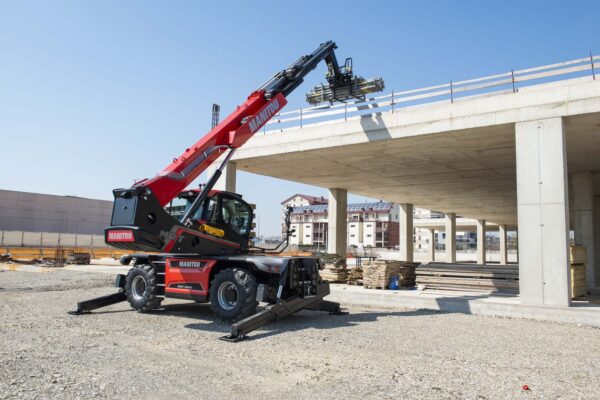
[[246, 120]]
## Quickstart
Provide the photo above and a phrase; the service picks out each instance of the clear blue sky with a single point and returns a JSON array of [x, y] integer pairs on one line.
[[95, 94]]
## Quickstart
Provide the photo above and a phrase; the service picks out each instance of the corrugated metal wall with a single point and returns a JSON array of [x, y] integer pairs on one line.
[[46, 239], [34, 212]]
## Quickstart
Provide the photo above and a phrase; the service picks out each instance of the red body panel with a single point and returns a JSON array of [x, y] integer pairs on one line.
[[230, 133], [184, 276]]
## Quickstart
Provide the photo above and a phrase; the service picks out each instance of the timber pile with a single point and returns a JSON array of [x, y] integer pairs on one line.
[[355, 277], [469, 277], [376, 274], [578, 257], [334, 270]]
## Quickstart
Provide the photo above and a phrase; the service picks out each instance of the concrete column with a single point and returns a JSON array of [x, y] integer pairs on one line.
[[543, 212], [481, 242], [406, 232], [451, 238], [227, 181], [581, 203], [503, 246], [597, 240], [337, 219], [431, 244]]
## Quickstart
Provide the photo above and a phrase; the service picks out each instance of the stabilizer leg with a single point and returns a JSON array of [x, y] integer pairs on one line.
[[282, 309], [84, 307]]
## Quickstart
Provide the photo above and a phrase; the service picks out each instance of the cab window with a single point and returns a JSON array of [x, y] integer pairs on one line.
[[237, 215], [210, 211]]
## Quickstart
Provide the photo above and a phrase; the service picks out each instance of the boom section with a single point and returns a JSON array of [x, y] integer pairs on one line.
[[232, 132], [238, 127]]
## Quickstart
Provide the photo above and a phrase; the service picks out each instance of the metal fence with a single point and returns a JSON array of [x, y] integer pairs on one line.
[[506, 82], [48, 239]]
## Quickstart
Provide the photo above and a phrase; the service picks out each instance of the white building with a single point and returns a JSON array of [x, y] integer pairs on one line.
[[369, 224]]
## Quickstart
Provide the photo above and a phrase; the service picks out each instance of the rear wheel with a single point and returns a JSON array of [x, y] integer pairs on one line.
[[233, 294], [141, 288]]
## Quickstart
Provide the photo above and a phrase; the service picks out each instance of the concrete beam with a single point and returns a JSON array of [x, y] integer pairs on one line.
[[581, 203], [450, 238], [227, 181], [406, 232], [481, 242], [337, 222], [503, 245], [543, 212], [431, 244]]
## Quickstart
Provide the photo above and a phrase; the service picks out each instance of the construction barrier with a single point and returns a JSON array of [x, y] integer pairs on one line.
[[45, 253], [49, 239]]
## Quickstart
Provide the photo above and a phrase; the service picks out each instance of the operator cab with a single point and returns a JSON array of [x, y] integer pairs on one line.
[[223, 214]]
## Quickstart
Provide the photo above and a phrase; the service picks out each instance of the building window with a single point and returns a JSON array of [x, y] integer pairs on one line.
[[368, 225], [352, 226], [369, 235], [307, 236], [352, 235]]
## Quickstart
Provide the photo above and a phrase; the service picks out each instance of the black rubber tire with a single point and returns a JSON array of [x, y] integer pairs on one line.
[[147, 299], [246, 286]]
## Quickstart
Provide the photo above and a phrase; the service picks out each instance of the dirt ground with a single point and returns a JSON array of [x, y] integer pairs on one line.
[[175, 352]]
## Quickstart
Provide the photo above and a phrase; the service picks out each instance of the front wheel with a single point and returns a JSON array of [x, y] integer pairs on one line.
[[141, 288], [233, 294]]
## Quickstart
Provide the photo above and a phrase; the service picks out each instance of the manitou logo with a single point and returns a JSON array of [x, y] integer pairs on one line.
[[262, 117], [120, 236], [187, 264]]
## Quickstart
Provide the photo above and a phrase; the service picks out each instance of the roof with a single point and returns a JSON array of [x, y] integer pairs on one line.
[[311, 199], [378, 207]]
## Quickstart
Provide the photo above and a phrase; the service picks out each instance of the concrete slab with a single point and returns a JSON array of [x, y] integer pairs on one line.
[[453, 157], [580, 313]]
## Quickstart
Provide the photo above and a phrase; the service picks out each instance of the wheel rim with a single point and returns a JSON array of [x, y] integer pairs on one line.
[[227, 295], [138, 287]]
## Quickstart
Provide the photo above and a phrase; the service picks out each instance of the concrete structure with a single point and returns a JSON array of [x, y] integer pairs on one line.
[[481, 241], [337, 226], [451, 238], [543, 212], [35, 212], [503, 157], [503, 244], [406, 232], [431, 244]]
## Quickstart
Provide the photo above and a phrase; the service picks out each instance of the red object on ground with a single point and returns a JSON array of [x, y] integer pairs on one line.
[[525, 387]]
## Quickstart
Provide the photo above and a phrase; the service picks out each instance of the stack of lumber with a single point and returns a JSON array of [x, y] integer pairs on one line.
[[578, 256], [376, 274], [469, 277], [334, 269], [355, 277]]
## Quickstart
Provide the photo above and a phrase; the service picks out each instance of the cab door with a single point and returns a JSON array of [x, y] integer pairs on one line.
[[230, 214]]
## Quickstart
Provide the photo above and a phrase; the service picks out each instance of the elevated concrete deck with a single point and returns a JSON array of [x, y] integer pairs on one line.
[[453, 157]]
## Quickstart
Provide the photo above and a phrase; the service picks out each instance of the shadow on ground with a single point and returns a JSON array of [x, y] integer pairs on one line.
[[206, 321]]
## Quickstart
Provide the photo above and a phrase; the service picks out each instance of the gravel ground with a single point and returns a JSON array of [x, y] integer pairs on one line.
[[174, 352]]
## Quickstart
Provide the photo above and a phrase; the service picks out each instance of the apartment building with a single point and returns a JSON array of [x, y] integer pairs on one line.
[[373, 224]]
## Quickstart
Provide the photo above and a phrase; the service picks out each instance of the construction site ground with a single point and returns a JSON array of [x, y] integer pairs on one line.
[[370, 353]]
